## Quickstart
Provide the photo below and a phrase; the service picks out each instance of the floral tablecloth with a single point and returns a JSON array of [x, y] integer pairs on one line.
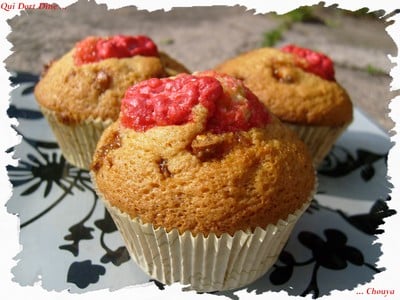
[[69, 241]]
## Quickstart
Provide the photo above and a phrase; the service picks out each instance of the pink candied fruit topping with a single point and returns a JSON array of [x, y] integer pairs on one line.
[[316, 62], [94, 49], [169, 101]]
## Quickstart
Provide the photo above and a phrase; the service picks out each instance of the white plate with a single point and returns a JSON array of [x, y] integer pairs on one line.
[[70, 243]]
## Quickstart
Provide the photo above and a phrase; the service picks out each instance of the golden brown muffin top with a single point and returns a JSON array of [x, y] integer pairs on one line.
[[94, 90], [190, 177], [291, 93]]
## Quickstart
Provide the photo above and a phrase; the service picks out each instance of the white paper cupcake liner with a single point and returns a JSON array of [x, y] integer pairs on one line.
[[77, 142], [201, 263], [319, 139]]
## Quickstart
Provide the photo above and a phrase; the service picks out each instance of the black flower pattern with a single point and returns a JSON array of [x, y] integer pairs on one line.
[[41, 169], [340, 162], [106, 225], [44, 167], [84, 273], [78, 232], [369, 222], [282, 273], [331, 253], [118, 256]]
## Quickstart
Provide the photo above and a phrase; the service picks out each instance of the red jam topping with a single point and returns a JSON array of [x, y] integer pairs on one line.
[[169, 101], [316, 62], [94, 49]]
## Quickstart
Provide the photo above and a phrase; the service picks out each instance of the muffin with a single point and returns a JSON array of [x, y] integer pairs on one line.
[[298, 85], [203, 182], [80, 93]]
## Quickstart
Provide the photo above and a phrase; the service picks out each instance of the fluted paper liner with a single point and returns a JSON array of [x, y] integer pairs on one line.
[[77, 142], [319, 139], [204, 264]]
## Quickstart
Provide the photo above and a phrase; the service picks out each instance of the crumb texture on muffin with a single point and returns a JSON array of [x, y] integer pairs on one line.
[[94, 90], [183, 177], [293, 94]]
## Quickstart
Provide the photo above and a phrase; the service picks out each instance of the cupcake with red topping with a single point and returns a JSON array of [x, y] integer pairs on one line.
[[80, 93], [298, 85], [202, 180]]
